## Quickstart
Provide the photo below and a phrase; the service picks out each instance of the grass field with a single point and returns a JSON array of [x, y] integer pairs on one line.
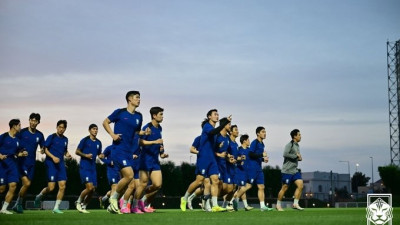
[[353, 216]]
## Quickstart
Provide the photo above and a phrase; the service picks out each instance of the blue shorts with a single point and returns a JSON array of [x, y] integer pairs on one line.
[[241, 178], [206, 167], [148, 164], [135, 167], [88, 176], [55, 172], [27, 171], [255, 177], [112, 175], [8, 172], [290, 178]]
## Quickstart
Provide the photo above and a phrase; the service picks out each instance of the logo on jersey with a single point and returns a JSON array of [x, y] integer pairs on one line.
[[98, 146], [65, 143], [17, 144], [1, 180], [124, 162], [379, 212], [137, 121], [37, 139], [52, 178]]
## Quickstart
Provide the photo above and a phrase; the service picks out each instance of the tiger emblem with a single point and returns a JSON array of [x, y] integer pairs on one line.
[[379, 212]]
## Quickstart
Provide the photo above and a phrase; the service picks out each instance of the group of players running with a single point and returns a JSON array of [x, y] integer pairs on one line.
[[133, 167]]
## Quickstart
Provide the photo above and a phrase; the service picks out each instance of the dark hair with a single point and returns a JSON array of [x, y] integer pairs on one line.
[[130, 93], [155, 110], [92, 125], [294, 133], [35, 116], [233, 126], [208, 114], [224, 121], [14, 122], [243, 138], [259, 129], [62, 122]]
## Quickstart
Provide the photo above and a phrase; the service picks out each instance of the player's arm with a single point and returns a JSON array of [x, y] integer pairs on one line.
[[155, 142], [81, 154], [220, 127], [107, 127], [48, 154], [193, 150], [288, 153]]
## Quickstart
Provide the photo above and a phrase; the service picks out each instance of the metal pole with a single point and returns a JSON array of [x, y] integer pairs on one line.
[[372, 170]]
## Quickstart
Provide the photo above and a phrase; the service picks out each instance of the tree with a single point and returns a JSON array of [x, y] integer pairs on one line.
[[391, 178], [359, 179]]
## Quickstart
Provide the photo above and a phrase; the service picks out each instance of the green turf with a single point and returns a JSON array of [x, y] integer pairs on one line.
[[352, 216]]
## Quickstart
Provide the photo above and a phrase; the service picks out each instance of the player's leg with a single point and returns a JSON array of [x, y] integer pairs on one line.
[[127, 176], [86, 197], [10, 194], [192, 187], [297, 194], [156, 183], [60, 195]]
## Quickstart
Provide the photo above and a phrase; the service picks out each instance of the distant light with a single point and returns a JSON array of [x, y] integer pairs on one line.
[[313, 204], [327, 205], [163, 204]]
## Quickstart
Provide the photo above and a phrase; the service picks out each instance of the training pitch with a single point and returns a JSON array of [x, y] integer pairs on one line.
[[352, 216]]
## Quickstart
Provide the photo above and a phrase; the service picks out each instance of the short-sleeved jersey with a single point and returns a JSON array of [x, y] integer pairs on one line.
[[223, 144], [207, 143], [126, 124], [256, 147], [233, 149], [150, 152], [243, 151], [196, 142], [30, 142], [57, 145], [89, 146], [9, 146]]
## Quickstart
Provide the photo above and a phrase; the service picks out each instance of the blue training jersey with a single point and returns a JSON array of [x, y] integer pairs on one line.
[[196, 142], [126, 124], [89, 146], [56, 145], [30, 142], [244, 163], [151, 152], [9, 146], [257, 148], [207, 143], [223, 144]]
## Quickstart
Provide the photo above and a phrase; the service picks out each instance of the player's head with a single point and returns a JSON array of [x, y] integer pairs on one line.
[[295, 134], [157, 114], [133, 97], [212, 115], [244, 138], [61, 126], [234, 131], [260, 132], [35, 116], [34, 120], [93, 129], [226, 122], [15, 124]]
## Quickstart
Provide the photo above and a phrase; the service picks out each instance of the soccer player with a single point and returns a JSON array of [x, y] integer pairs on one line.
[[149, 169], [290, 172], [9, 148], [241, 173], [88, 148], [231, 165], [56, 147], [223, 143], [194, 150], [127, 124], [206, 164], [30, 138], [257, 155]]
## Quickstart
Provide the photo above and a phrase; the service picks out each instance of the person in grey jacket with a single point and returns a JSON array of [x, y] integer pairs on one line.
[[290, 172]]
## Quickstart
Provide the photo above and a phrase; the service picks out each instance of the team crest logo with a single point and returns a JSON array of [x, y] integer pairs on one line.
[[98, 146], [37, 139], [379, 212], [137, 121]]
